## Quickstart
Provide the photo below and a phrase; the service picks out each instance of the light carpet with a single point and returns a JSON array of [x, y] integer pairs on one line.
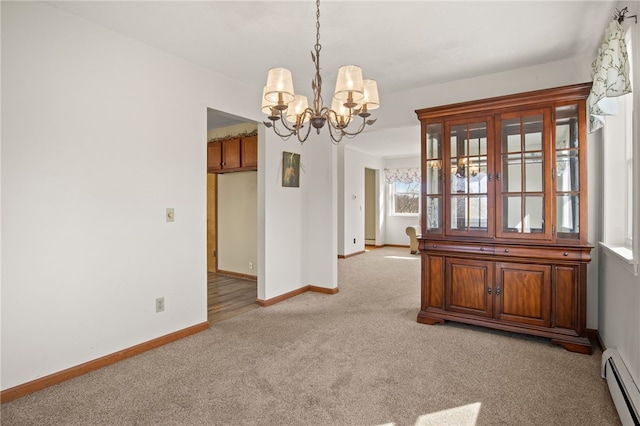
[[354, 358]]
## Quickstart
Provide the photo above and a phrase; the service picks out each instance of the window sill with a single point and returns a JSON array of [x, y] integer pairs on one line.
[[623, 255]]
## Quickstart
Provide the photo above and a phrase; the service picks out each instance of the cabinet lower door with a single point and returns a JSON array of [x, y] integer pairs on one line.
[[523, 293], [469, 287], [566, 298]]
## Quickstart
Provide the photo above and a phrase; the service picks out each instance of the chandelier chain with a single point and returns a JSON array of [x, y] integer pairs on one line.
[[317, 25], [317, 81]]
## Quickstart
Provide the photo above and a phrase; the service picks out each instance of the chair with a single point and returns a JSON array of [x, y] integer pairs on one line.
[[413, 232]]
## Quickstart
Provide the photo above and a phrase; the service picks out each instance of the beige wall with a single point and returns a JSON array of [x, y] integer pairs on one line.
[[238, 222]]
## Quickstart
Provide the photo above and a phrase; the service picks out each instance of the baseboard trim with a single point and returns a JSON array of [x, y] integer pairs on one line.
[[294, 293], [323, 290], [594, 336], [64, 375], [346, 256], [237, 275]]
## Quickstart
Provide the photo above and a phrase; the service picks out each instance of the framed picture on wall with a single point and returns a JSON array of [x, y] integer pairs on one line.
[[290, 169]]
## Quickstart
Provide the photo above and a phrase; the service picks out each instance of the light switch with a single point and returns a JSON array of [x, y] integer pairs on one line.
[[170, 215]]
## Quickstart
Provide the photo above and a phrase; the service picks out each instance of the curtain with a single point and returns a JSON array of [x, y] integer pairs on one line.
[[407, 175], [610, 76]]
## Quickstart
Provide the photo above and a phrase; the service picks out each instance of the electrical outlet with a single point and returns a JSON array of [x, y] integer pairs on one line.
[[159, 304], [251, 265]]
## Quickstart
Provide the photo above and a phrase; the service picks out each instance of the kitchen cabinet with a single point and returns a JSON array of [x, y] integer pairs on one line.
[[232, 155]]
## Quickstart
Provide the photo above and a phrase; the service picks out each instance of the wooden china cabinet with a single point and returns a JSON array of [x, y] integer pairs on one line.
[[504, 199]]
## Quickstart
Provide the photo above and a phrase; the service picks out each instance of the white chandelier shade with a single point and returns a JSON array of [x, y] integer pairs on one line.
[[341, 114], [371, 99], [349, 85], [296, 109], [279, 86]]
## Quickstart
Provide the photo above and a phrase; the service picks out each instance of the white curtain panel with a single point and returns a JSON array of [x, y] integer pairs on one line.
[[610, 76]]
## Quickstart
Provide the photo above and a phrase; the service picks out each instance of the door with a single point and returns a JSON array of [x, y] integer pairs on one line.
[[469, 286], [370, 206], [231, 153], [468, 177], [523, 177], [523, 293], [212, 250]]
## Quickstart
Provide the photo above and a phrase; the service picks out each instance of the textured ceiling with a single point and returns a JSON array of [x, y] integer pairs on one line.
[[401, 44]]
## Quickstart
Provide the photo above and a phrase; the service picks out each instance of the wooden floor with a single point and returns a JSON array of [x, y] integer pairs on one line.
[[228, 297]]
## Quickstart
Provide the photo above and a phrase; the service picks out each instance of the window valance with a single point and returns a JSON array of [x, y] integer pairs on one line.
[[405, 175], [610, 76]]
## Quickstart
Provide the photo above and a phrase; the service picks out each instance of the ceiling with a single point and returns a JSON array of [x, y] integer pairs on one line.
[[401, 44]]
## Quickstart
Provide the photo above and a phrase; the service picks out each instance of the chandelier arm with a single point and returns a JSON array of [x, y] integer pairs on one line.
[[290, 131], [336, 134], [284, 122], [301, 138], [360, 129], [300, 125], [281, 135], [348, 134]]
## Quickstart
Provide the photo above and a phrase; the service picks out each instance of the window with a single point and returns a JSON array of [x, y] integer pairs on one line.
[[620, 230], [404, 190], [405, 198]]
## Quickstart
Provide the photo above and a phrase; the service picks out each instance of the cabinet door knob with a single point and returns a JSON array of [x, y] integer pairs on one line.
[[481, 248], [435, 245], [506, 250], [565, 254], [489, 290], [498, 291]]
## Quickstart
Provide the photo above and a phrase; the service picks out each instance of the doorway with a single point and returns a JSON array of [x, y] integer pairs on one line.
[[370, 211], [231, 224]]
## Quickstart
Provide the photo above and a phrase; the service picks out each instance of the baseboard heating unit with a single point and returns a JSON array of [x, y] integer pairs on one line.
[[624, 391]]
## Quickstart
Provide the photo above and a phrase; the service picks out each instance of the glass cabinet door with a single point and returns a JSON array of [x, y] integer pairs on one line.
[[469, 177], [522, 176], [433, 180], [567, 172]]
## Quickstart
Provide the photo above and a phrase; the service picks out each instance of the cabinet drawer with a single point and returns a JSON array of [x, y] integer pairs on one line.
[[550, 253], [457, 247]]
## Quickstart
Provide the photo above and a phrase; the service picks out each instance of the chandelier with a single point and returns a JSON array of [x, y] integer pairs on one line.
[[353, 98]]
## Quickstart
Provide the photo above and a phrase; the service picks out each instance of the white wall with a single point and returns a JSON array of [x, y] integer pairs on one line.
[[320, 209], [399, 108], [300, 224], [351, 199], [619, 292], [101, 133]]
